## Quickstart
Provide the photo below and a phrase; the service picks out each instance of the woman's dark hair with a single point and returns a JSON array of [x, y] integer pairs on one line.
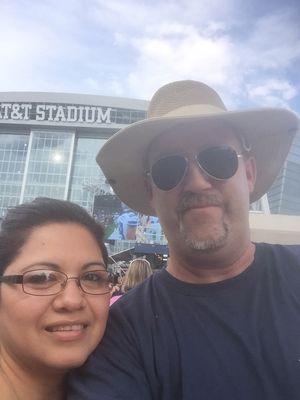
[[20, 221]]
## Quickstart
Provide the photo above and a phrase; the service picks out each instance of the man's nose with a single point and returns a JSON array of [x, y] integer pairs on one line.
[[195, 178]]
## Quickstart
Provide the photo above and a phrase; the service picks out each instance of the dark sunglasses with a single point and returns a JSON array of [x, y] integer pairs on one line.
[[220, 163]]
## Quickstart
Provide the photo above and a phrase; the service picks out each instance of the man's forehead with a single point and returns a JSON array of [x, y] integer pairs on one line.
[[193, 138]]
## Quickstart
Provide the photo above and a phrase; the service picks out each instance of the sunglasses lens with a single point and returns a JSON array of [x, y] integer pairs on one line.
[[168, 171], [219, 162]]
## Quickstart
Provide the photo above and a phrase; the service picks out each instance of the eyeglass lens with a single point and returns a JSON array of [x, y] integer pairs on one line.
[[218, 162], [168, 172], [47, 282]]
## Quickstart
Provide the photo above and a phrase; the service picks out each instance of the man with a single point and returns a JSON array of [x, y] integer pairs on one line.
[[223, 321]]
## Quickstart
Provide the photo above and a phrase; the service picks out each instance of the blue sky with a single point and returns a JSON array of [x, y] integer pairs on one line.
[[248, 50]]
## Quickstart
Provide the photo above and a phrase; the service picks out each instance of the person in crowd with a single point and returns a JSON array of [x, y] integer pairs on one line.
[[54, 296], [222, 322], [116, 291], [139, 270]]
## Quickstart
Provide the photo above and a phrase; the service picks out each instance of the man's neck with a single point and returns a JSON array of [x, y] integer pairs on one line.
[[17, 382], [205, 271]]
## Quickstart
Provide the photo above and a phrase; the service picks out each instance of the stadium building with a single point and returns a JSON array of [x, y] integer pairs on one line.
[[48, 144]]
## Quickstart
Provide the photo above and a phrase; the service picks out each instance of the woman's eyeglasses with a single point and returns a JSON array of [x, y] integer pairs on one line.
[[219, 162], [45, 282]]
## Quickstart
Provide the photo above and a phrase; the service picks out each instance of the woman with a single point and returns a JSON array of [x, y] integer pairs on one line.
[[138, 270], [54, 296]]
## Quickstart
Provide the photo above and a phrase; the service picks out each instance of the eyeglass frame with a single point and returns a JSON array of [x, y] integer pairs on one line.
[[148, 172], [19, 279]]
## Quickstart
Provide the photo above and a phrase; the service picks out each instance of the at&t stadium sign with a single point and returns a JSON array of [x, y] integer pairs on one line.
[[55, 113]]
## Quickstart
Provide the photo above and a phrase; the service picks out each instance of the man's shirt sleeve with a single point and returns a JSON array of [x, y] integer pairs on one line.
[[115, 369]]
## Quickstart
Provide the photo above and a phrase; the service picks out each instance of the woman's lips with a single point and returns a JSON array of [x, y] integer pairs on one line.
[[67, 332]]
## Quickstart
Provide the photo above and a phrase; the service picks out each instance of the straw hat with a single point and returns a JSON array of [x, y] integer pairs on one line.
[[178, 106]]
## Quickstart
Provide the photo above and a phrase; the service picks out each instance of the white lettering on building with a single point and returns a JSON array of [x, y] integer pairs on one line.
[[60, 114], [103, 117], [26, 107], [80, 117], [6, 107], [72, 113], [55, 113], [40, 112]]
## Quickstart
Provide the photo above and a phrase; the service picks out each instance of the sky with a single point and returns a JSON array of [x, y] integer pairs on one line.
[[247, 50]]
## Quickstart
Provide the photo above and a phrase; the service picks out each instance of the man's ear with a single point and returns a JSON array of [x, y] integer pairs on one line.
[[251, 171], [148, 186]]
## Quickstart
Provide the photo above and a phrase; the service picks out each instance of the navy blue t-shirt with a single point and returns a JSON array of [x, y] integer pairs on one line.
[[233, 340]]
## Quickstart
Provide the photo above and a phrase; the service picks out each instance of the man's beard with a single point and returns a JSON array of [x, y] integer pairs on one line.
[[205, 245], [204, 242]]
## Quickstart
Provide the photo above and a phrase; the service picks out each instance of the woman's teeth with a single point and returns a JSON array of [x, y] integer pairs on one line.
[[77, 327]]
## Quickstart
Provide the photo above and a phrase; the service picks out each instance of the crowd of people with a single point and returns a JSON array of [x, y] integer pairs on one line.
[[221, 321]]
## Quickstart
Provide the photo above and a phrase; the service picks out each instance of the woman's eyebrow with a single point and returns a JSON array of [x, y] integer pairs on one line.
[[90, 264], [56, 267], [41, 264]]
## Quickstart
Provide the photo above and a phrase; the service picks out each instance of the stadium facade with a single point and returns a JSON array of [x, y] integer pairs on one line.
[[48, 144], [284, 195]]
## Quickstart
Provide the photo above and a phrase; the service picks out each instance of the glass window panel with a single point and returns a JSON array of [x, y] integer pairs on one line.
[[49, 154], [86, 179], [13, 151]]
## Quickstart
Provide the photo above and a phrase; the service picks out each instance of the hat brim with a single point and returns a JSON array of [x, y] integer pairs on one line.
[[270, 132]]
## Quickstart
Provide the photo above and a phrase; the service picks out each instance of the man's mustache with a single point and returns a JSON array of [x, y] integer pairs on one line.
[[193, 200]]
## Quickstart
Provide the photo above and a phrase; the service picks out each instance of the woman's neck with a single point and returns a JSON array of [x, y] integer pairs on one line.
[[20, 383]]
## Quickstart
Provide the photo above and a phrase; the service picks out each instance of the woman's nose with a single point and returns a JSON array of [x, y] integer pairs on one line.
[[71, 297]]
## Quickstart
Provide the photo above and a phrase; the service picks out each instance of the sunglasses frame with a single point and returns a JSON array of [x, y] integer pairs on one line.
[[188, 160]]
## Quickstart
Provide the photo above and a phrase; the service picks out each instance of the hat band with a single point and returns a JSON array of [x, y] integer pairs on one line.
[[195, 109]]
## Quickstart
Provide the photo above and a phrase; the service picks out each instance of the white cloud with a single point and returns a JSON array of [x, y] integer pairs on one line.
[[130, 48], [188, 55], [231, 63], [274, 43], [37, 54], [139, 15], [273, 92]]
